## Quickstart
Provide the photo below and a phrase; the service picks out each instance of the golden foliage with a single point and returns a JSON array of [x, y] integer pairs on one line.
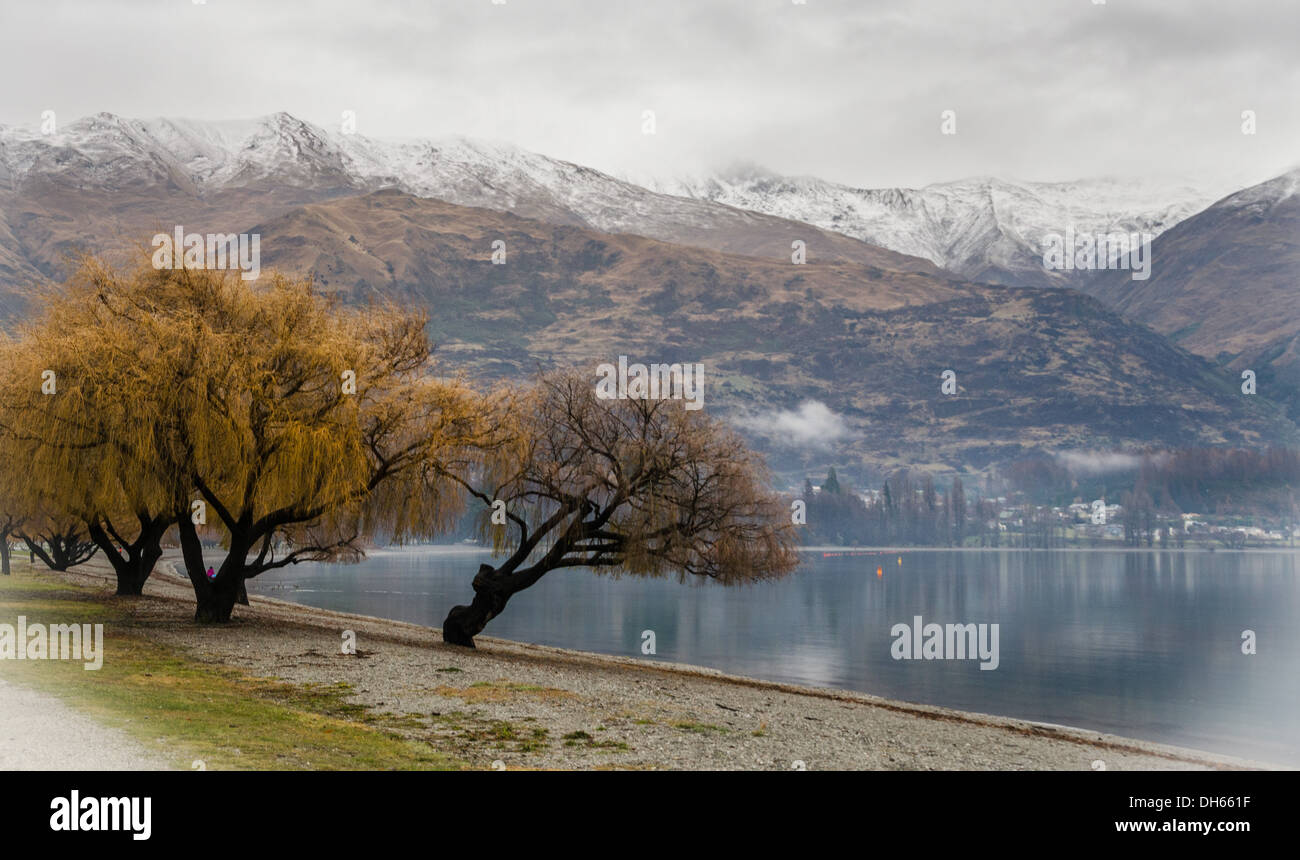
[[302, 425], [308, 428]]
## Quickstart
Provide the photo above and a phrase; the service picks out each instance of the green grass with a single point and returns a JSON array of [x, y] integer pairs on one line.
[[187, 711], [700, 728], [467, 731], [583, 739]]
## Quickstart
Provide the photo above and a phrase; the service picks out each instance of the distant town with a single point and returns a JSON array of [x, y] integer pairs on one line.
[[909, 512]]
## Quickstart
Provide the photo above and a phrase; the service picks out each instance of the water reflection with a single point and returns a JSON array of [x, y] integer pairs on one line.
[[1144, 644]]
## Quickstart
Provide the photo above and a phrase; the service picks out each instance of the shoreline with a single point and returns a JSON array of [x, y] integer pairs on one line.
[[455, 548], [1101, 548], [520, 705]]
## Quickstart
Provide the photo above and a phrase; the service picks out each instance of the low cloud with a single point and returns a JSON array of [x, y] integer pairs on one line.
[[812, 424], [1103, 462]]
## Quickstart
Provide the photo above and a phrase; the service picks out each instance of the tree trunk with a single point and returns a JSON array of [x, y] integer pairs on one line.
[[192, 553], [217, 597], [490, 596], [4, 557], [130, 580], [217, 604], [132, 576], [52, 561], [132, 570]]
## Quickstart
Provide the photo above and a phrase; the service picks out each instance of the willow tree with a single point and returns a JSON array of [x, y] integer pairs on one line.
[[296, 429], [59, 540], [307, 430], [635, 486], [87, 404], [14, 503]]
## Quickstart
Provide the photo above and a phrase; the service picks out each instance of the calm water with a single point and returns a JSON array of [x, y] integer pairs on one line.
[[1143, 644]]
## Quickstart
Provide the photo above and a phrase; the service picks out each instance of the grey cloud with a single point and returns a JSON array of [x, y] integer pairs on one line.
[[846, 90]]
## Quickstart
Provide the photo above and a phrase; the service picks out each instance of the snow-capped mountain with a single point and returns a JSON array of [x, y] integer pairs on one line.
[[302, 162], [982, 228], [415, 222], [117, 152]]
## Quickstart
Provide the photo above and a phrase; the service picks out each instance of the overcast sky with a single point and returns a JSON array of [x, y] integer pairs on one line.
[[850, 91]]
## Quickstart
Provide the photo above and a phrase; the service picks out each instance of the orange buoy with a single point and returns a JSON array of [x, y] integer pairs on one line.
[[880, 571]]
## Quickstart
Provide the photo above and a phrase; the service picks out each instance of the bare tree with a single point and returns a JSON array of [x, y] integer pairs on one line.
[[637, 486]]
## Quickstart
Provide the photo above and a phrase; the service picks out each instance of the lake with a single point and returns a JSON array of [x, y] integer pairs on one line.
[[1146, 644]]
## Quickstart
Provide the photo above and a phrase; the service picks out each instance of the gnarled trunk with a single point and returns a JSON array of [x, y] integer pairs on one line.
[[492, 590], [130, 583], [132, 575], [217, 601], [133, 562], [217, 597]]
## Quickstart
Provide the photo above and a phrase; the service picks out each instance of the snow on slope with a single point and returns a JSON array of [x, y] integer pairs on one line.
[[113, 152], [977, 227], [982, 228]]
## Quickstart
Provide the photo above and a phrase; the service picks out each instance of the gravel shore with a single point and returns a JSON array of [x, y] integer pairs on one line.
[[513, 705]]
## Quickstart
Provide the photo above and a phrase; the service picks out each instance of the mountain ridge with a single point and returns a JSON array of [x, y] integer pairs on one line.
[[298, 162], [981, 228], [1225, 284], [1037, 369], [859, 328]]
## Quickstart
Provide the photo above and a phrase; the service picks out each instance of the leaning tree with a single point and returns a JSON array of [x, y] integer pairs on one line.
[[633, 486]]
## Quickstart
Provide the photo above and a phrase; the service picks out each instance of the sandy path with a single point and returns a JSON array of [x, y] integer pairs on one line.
[[40, 732], [530, 706]]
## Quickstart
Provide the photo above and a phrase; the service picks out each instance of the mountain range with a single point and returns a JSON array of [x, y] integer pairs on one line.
[[1034, 368], [106, 176], [898, 285]]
